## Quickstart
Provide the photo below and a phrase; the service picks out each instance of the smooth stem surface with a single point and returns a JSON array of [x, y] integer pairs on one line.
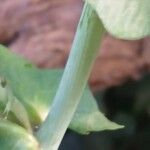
[[82, 56]]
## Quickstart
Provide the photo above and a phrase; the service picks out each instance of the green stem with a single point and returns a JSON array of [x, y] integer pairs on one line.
[[82, 56]]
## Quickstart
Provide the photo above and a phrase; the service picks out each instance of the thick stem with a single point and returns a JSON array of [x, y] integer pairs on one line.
[[82, 56]]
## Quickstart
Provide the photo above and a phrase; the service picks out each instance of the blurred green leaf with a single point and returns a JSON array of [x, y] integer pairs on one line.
[[127, 19], [88, 117], [13, 137], [10, 104], [36, 89]]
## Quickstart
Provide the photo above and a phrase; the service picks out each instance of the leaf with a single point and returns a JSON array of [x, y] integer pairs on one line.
[[89, 118], [36, 89], [10, 104], [126, 19], [13, 137]]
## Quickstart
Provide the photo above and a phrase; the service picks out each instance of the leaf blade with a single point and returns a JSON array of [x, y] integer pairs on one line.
[[13, 137], [124, 19], [36, 89]]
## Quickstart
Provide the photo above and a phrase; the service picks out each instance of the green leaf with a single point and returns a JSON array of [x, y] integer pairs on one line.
[[10, 104], [89, 118], [126, 19], [14, 137], [36, 89]]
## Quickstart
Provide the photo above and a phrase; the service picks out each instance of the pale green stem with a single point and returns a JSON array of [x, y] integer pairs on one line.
[[82, 56]]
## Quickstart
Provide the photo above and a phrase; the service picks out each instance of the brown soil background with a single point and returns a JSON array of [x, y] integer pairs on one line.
[[42, 31]]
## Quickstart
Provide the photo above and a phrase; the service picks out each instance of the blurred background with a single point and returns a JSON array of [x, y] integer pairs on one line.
[[42, 31]]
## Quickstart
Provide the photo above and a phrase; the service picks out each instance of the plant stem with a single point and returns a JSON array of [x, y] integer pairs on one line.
[[72, 85]]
